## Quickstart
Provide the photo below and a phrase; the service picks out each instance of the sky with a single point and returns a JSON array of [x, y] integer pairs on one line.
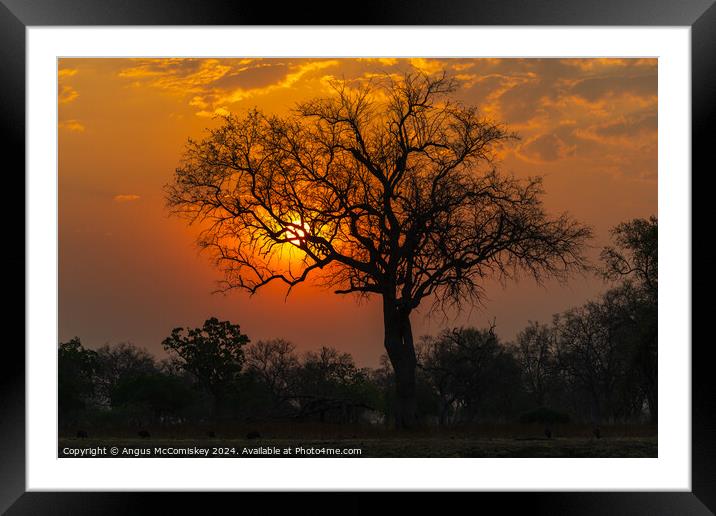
[[130, 272]]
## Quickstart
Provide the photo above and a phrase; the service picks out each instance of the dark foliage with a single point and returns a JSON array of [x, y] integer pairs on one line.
[[594, 365], [387, 188]]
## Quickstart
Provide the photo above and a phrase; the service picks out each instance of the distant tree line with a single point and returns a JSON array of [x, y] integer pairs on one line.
[[595, 363]]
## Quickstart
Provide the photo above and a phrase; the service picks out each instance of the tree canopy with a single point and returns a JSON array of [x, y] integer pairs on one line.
[[386, 186]]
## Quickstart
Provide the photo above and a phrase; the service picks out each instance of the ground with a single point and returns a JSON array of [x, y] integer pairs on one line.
[[574, 441]]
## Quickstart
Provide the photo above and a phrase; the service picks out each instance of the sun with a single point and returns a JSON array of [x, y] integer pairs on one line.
[[295, 234]]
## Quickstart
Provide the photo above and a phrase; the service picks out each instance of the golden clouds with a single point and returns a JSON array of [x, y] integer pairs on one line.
[[66, 93], [178, 75], [588, 127], [547, 147], [583, 112], [126, 198], [220, 111], [65, 73], [214, 85], [74, 126], [429, 66], [639, 128], [288, 81], [576, 111], [388, 61], [605, 64]]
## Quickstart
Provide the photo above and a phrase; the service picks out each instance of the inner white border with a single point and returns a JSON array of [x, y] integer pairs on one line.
[[672, 470]]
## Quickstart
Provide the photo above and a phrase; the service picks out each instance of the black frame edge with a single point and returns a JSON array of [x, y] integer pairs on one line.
[[703, 416], [700, 14], [12, 365], [386, 12]]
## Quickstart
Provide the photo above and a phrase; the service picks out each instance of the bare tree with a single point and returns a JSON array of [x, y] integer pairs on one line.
[[635, 254], [384, 188], [120, 361], [458, 363], [274, 362], [633, 260], [593, 348], [534, 351]]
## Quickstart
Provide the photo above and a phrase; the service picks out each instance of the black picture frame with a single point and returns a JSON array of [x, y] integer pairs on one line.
[[17, 15]]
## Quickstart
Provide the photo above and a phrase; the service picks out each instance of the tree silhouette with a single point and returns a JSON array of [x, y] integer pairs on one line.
[[384, 188], [213, 354], [329, 381], [534, 350], [274, 362], [634, 259], [77, 368], [586, 352], [467, 367], [635, 255], [116, 363]]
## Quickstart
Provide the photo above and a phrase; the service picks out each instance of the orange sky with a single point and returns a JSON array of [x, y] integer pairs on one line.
[[129, 272]]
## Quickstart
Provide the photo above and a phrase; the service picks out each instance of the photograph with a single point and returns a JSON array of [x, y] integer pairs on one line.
[[380, 257]]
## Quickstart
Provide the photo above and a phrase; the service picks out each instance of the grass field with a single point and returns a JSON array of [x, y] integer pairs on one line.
[[399, 446]]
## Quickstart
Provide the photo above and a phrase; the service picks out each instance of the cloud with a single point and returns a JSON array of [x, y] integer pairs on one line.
[[67, 94], [605, 64], [66, 72], [220, 111], [459, 66], [628, 125], [521, 98], [592, 110], [547, 147], [296, 74], [212, 85], [596, 88], [126, 198], [627, 130], [427, 65], [178, 75], [385, 61], [74, 126]]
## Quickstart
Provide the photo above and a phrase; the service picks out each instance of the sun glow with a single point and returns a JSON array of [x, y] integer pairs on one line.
[[295, 234]]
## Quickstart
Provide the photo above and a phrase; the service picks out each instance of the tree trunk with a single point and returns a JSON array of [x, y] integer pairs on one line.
[[401, 352]]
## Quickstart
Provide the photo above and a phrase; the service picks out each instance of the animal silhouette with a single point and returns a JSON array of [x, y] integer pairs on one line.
[[211, 433], [143, 434], [597, 432], [253, 435], [81, 434], [548, 432]]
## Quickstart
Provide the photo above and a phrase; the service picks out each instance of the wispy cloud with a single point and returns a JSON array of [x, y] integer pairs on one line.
[[427, 65], [295, 75], [546, 147], [587, 110], [126, 197], [66, 72], [67, 94], [213, 85], [74, 126]]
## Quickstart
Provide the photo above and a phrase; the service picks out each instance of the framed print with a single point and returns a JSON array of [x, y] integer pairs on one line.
[[414, 253]]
